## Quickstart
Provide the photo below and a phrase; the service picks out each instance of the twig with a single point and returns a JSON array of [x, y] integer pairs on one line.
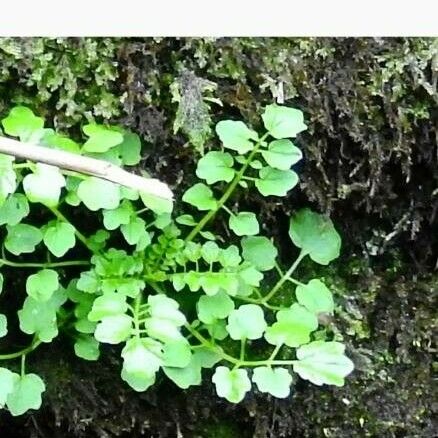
[[90, 166]]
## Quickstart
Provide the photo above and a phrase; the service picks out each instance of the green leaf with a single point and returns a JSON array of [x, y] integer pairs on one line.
[[282, 154], [88, 282], [86, 347], [244, 224], [186, 219], [236, 136], [1, 283], [8, 179], [162, 221], [113, 329], [26, 394], [214, 307], [185, 377], [141, 361], [274, 182], [315, 234], [108, 304], [59, 237], [210, 252], [42, 285], [14, 209], [283, 122], [217, 329], [165, 319], [22, 238], [323, 362], [251, 276], [97, 193], [101, 138], [215, 166], [293, 327], [259, 251], [230, 257], [129, 149], [54, 140], [176, 354], [156, 204], [7, 383], [315, 297], [112, 219], [246, 322], [3, 327], [39, 318], [200, 196], [134, 231], [44, 185], [21, 122], [274, 381], [231, 384]]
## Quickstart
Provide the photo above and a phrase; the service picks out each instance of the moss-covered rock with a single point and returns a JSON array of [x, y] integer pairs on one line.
[[370, 160]]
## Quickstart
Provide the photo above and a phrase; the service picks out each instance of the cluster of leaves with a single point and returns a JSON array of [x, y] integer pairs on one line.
[[173, 296]]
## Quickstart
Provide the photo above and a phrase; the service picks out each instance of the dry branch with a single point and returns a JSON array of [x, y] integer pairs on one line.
[[87, 165]]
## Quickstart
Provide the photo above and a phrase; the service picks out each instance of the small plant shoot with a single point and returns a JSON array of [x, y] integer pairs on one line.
[[124, 282]]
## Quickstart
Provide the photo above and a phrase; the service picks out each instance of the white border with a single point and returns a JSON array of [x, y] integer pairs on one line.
[[219, 18]]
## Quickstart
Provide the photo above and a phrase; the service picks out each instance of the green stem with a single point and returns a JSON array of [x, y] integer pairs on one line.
[[35, 343], [78, 234], [285, 277], [228, 192], [236, 362], [23, 365], [228, 210], [43, 265], [137, 306]]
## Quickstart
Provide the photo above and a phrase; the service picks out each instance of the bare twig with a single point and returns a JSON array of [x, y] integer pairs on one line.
[[87, 165]]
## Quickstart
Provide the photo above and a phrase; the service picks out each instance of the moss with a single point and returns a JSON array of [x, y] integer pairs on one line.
[[370, 161]]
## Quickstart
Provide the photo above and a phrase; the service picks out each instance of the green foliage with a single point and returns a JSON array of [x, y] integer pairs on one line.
[[177, 298]]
